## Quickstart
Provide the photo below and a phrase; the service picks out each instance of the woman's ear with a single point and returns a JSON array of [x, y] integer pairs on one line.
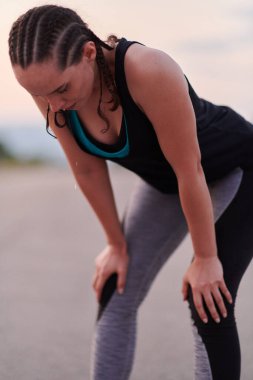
[[89, 51]]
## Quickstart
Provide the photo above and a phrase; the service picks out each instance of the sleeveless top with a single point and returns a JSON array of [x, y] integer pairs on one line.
[[225, 138]]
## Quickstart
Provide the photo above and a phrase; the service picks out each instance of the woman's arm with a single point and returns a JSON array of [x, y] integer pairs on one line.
[[168, 107], [159, 87], [92, 176]]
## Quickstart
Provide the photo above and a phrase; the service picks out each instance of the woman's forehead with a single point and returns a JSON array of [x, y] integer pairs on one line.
[[40, 79]]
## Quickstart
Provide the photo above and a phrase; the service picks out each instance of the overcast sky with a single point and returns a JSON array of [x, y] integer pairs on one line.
[[212, 40]]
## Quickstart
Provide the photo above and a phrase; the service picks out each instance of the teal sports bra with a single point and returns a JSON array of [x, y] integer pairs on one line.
[[118, 150]]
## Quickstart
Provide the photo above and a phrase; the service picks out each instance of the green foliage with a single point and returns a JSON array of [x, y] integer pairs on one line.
[[8, 159], [4, 153]]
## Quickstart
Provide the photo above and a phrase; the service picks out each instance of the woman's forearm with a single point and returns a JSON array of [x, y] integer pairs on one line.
[[96, 187], [197, 207]]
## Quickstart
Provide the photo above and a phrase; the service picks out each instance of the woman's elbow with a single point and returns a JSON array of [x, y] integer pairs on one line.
[[191, 172]]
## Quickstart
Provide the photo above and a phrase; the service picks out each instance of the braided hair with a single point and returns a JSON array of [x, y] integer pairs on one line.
[[55, 32]]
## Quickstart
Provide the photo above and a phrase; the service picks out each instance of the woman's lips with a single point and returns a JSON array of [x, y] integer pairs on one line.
[[70, 107]]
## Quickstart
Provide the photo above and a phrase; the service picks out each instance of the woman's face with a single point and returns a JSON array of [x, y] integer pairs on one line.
[[68, 89]]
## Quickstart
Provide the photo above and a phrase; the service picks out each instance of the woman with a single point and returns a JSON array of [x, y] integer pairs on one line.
[[132, 104]]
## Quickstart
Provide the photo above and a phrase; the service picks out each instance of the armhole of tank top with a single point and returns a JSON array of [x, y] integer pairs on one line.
[[123, 80]]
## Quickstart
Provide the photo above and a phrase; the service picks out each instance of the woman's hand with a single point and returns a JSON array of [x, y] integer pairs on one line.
[[205, 276], [113, 259]]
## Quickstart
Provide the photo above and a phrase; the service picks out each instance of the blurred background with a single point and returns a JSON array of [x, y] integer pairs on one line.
[[211, 40], [49, 236]]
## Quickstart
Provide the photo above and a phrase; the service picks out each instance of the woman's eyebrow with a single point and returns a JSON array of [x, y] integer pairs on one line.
[[57, 89]]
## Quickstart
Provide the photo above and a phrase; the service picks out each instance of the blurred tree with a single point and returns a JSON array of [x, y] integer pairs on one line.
[[4, 153]]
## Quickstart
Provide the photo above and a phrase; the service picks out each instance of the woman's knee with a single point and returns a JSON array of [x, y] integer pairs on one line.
[[211, 326], [123, 305]]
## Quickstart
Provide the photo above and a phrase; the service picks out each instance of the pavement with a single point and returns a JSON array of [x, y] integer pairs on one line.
[[49, 238]]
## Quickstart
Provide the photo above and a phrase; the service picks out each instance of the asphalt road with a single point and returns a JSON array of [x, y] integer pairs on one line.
[[49, 239]]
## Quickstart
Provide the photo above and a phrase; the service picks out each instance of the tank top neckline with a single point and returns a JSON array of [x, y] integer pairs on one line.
[[121, 140], [105, 146]]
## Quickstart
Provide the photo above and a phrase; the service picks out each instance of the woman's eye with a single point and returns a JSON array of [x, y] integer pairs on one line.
[[63, 90]]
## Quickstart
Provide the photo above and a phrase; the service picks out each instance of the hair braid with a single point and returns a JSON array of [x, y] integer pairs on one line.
[[13, 43], [71, 41], [50, 28], [30, 36], [109, 82], [21, 39], [107, 76]]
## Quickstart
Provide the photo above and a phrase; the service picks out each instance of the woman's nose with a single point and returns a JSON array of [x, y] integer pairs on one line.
[[55, 104]]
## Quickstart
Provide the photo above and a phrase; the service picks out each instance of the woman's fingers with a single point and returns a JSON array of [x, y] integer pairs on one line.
[[209, 294], [121, 280], [112, 260], [198, 302], [210, 304], [100, 281], [205, 276], [225, 291], [219, 301], [184, 289], [97, 283], [94, 280]]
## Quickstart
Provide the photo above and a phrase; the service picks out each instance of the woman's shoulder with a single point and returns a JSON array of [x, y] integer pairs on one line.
[[148, 68], [142, 56]]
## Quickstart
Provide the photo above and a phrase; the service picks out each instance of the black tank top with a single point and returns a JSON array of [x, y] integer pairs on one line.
[[225, 138]]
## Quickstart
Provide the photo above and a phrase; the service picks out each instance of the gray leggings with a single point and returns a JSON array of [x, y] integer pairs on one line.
[[154, 225]]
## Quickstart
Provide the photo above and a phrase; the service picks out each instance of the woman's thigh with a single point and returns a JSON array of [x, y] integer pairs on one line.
[[234, 234], [154, 225]]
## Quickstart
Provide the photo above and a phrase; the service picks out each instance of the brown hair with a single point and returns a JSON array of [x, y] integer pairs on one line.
[[52, 31]]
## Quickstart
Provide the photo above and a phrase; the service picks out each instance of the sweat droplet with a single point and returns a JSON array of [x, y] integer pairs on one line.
[[75, 186]]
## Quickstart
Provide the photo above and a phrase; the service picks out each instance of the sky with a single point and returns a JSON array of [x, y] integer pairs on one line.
[[211, 40]]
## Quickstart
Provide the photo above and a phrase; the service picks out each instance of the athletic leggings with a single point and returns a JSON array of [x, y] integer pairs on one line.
[[154, 225]]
